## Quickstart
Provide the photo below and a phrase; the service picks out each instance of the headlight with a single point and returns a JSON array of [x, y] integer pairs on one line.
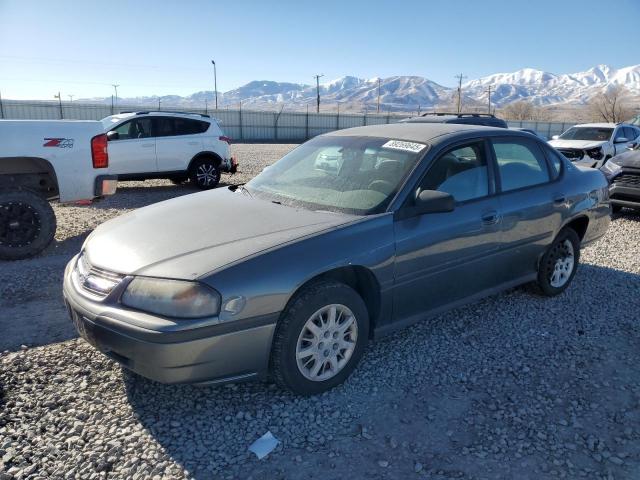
[[172, 298], [610, 169], [595, 153]]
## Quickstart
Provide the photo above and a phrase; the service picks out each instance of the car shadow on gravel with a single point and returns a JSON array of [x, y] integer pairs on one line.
[[130, 195], [441, 387]]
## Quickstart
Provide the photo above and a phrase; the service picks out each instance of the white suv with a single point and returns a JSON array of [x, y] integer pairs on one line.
[[592, 144], [173, 145]]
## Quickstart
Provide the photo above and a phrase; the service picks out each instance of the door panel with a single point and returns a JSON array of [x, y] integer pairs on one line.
[[531, 205], [445, 257], [177, 143], [135, 149]]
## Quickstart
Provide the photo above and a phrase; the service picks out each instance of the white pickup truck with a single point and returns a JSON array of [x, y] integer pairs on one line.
[[42, 160]]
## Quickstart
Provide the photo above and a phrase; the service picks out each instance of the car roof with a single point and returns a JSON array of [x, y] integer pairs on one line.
[[421, 132], [161, 113], [597, 125]]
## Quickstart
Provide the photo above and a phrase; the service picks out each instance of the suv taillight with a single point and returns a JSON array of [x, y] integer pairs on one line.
[[225, 139], [99, 154]]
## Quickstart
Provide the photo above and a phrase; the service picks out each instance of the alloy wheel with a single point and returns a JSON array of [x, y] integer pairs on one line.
[[207, 174]]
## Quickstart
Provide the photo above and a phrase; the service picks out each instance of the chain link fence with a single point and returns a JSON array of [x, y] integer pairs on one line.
[[239, 124]]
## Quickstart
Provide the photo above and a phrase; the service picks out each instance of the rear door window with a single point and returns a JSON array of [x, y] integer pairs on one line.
[[521, 163]]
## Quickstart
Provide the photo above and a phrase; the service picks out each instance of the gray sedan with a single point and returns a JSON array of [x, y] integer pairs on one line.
[[347, 238]]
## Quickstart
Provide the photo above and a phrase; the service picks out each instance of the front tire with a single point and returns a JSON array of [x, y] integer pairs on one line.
[[205, 173], [320, 338], [559, 263], [27, 224]]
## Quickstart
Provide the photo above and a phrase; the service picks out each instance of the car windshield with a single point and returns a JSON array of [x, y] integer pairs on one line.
[[588, 133], [355, 175]]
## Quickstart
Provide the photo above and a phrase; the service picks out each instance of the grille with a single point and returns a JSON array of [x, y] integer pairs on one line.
[[628, 180], [572, 154], [95, 280]]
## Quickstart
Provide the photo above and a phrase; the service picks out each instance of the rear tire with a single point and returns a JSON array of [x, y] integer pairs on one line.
[[27, 224], [559, 264], [309, 363], [205, 173]]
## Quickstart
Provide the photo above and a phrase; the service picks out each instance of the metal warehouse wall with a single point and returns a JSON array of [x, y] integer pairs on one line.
[[248, 125]]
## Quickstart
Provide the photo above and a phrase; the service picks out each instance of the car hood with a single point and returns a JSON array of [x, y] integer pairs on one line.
[[630, 159], [583, 144], [190, 236]]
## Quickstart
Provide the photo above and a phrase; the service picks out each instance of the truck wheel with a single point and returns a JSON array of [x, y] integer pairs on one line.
[[205, 173], [27, 224]]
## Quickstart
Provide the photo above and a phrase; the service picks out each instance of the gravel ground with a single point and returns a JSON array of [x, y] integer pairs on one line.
[[515, 386]]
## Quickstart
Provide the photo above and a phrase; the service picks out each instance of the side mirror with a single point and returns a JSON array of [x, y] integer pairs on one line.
[[112, 135], [433, 201], [621, 140], [555, 137]]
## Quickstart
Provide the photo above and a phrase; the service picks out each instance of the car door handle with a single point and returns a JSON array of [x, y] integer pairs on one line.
[[559, 199], [490, 218], [148, 145]]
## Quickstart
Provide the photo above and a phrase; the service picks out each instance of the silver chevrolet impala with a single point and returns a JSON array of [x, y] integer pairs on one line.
[[348, 237]]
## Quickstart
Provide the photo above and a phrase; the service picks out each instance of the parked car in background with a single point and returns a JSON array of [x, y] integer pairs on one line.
[[593, 144], [173, 145], [485, 119], [315, 259], [623, 173], [41, 161]]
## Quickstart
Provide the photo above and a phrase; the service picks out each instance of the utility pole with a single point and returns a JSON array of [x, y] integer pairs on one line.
[[206, 107], [378, 109], [215, 82], [1, 107], [489, 93], [317, 77], [159, 103], [460, 78], [70, 98], [115, 88], [59, 97]]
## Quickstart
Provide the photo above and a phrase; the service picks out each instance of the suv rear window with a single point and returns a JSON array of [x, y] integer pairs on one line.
[[168, 126]]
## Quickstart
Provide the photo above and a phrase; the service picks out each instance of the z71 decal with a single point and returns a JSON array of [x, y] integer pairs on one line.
[[58, 142]]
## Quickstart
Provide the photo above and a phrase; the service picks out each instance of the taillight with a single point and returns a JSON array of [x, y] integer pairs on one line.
[[99, 154], [225, 139]]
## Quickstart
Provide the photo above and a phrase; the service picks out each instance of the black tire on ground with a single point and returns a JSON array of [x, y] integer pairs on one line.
[[205, 173], [27, 224], [616, 208], [311, 299], [558, 250]]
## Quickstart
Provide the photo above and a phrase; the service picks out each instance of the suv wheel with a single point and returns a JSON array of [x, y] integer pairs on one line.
[[320, 338], [205, 173], [559, 263], [27, 224]]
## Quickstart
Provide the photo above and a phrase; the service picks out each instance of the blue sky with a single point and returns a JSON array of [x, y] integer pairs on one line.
[[162, 47]]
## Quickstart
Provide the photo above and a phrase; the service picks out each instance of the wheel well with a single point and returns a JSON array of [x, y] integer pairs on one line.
[[31, 173], [362, 280], [206, 155], [579, 225]]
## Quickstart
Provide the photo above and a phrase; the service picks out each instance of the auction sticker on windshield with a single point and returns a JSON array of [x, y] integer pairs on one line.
[[406, 146]]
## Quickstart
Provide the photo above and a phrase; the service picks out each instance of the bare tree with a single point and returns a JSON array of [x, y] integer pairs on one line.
[[609, 106], [520, 110]]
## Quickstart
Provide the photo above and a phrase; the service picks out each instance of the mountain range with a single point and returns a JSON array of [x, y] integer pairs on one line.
[[406, 93]]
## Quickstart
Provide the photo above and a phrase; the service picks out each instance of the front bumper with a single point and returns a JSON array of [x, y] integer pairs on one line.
[[171, 351], [624, 196]]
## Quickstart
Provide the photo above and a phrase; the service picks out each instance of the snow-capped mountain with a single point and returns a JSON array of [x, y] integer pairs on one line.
[[405, 93]]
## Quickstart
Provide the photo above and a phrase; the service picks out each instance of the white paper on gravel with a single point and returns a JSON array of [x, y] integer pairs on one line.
[[264, 445]]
